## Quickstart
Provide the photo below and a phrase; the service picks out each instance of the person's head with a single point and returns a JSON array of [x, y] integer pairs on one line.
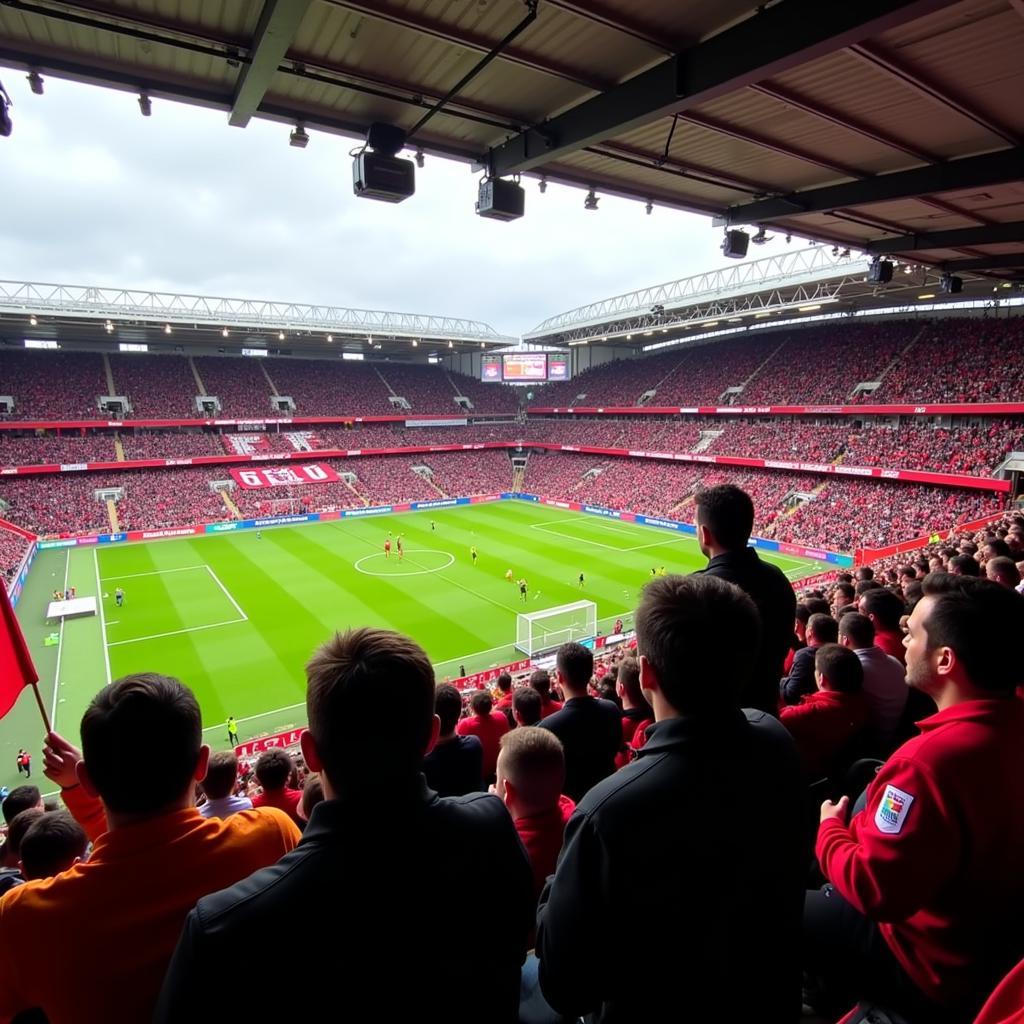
[[821, 629], [994, 547], [504, 682], [53, 843], [856, 631], [350, 678], [531, 771], [574, 665], [627, 685], [838, 669], [480, 702], [274, 770], [725, 519], [865, 572], [123, 726], [862, 587], [221, 774], [883, 608], [803, 615], [527, 706], [912, 593], [818, 606], [964, 565], [607, 690], [21, 798], [448, 708], [1002, 571], [697, 637], [16, 830], [962, 639], [842, 593], [312, 794], [541, 682]]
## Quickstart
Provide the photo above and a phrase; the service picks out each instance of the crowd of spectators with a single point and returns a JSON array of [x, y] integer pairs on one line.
[[156, 386], [170, 444], [12, 551], [67, 448], [485, 472], [238, 384], [52, 385]]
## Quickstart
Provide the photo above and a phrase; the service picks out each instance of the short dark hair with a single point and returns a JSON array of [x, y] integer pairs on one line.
[[221, 774], [982, 622], [965, 565], [576, 664], [858, 629], [19, 826], [1006, 568], [728, 513], [504, 682], [824, 628], [846, 589], [51, 844], [448, 707], [141, 738], [818, 606], [528, 704], [865, 586], [998, 547], [481, 702], [885, 606], [629, 678], [912, 593], [540, 680], [865, 572], [700, 634], [347, 680], [312, 794], [21, 798], [841, 667], [273, 768]]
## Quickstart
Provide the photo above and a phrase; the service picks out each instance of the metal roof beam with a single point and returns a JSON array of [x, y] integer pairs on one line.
[[997, 261], [603, 15], [988, 234], [279, 21], [773, 40], [968, 172]]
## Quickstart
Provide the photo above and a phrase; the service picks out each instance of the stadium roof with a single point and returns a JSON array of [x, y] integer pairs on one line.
[[891, 126]]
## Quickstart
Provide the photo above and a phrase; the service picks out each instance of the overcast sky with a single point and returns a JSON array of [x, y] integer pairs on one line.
[[94, 193]]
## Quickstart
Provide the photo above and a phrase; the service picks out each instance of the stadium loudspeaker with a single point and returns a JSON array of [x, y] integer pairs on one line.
[[387, 178], [952, 285], [735, 243], [880, 272], [385, 138], [500, 200]]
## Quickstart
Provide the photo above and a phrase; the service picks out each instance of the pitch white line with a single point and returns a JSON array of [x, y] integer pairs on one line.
[[608, 547], [175, 632], [227, 594], [155, 572], [60, 647], [103, 622], [252, 718]]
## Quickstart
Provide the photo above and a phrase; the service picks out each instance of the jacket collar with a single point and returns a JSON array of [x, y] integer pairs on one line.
[[393, 803], [991, 710], [673, 733], [737, 557]]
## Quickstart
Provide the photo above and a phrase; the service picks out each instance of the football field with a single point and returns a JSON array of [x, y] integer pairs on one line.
[[236, 616]]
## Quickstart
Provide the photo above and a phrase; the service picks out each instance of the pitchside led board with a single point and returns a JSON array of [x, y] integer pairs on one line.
[[524, 367]]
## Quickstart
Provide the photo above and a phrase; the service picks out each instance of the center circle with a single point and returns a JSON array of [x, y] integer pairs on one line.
[[418, 565]]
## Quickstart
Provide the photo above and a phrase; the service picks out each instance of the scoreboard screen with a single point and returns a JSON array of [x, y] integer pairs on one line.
[[558, 367], [490, 369], [525, 366]]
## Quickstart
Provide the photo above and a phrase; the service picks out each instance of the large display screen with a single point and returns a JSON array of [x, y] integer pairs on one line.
[[525, 366], [558, 367], [490, 369]]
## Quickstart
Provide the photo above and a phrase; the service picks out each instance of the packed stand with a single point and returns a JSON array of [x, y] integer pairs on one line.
[[169, 497], [157, 386], [170, 444], [321, 388], [486, 396], [238, 384], [12, 550], [51, 449], [388, 479], [57, 503], [462, 475], [53, 385], [322, 497]]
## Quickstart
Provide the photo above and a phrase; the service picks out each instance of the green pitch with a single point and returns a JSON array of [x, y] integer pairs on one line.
[[236, 617]]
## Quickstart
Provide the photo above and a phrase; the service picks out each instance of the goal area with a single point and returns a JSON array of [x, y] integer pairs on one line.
[[540, 632]]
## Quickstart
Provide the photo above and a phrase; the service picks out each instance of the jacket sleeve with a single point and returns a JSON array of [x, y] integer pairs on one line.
[[800, 680], [87, 811], [571, 922], [185, 995], [899, 851], [12, 1001]]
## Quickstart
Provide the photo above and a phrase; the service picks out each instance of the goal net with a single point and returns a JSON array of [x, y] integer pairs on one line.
[[539, 632], [282, 506]]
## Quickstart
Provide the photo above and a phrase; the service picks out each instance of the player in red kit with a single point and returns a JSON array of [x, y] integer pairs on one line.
[[387, 548]]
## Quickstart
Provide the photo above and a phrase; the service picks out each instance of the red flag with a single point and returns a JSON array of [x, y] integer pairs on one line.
[[16, 668]]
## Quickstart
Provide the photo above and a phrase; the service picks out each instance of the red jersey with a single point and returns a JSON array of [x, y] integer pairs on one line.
[[489, 730], [286, 800], [542, 836], [935, 856], [824, 724], [548, 706], [892, 643]]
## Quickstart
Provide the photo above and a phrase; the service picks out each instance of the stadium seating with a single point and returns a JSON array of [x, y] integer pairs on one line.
[[239, 384], [68, 448], [169, 444], [158, 387], [12, 551], [52, 385]]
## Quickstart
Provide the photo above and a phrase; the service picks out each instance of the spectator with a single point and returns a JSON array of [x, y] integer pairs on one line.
[[21, 798], [274, 770], [725, 519], [219, 786], [590, 729], [885, 610], [541, 682], [377, 871], [964, 565], [842, 594], [1003, 570], [637, 714], [531, 775], [631, 846], [828, 723], [54, 842], [885, 687], [922, 913], [488, 726], [153, 856], [11, 871], [455, 766], [504, 704], [527, 706], [312, 794], [821, 629]]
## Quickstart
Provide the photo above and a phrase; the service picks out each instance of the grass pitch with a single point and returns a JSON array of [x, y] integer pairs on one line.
[[236, 617]]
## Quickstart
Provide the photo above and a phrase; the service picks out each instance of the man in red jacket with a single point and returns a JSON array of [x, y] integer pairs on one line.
[[489, 726], [927, 894]]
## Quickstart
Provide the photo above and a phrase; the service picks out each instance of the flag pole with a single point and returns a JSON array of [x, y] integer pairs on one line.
[[42, 709]]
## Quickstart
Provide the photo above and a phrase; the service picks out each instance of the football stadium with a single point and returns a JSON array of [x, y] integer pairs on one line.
[[700, 596]]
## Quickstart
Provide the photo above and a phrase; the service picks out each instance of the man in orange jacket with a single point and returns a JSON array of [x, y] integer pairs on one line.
[[91, 944]]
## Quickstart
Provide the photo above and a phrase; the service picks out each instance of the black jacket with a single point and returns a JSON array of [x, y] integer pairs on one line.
[[800, 680], [377, 914], [456, 767], [776, 601], [687, 865], [591, 733]]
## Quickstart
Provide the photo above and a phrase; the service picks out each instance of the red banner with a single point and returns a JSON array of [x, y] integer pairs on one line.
[[285, 476], [930, 409], [281, 739], [478, 680]]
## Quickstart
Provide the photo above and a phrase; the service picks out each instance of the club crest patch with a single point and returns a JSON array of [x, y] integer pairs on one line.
[[892, 811]]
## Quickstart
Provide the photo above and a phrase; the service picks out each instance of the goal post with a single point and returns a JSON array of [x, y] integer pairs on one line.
[[543, 631]]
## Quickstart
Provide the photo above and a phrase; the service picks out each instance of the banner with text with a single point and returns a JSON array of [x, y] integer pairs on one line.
[[285, 476]]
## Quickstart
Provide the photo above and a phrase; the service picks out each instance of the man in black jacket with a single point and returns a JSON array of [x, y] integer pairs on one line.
[[725, 520], [590, 729], [821, 629], [687, 862], [370, 894]]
